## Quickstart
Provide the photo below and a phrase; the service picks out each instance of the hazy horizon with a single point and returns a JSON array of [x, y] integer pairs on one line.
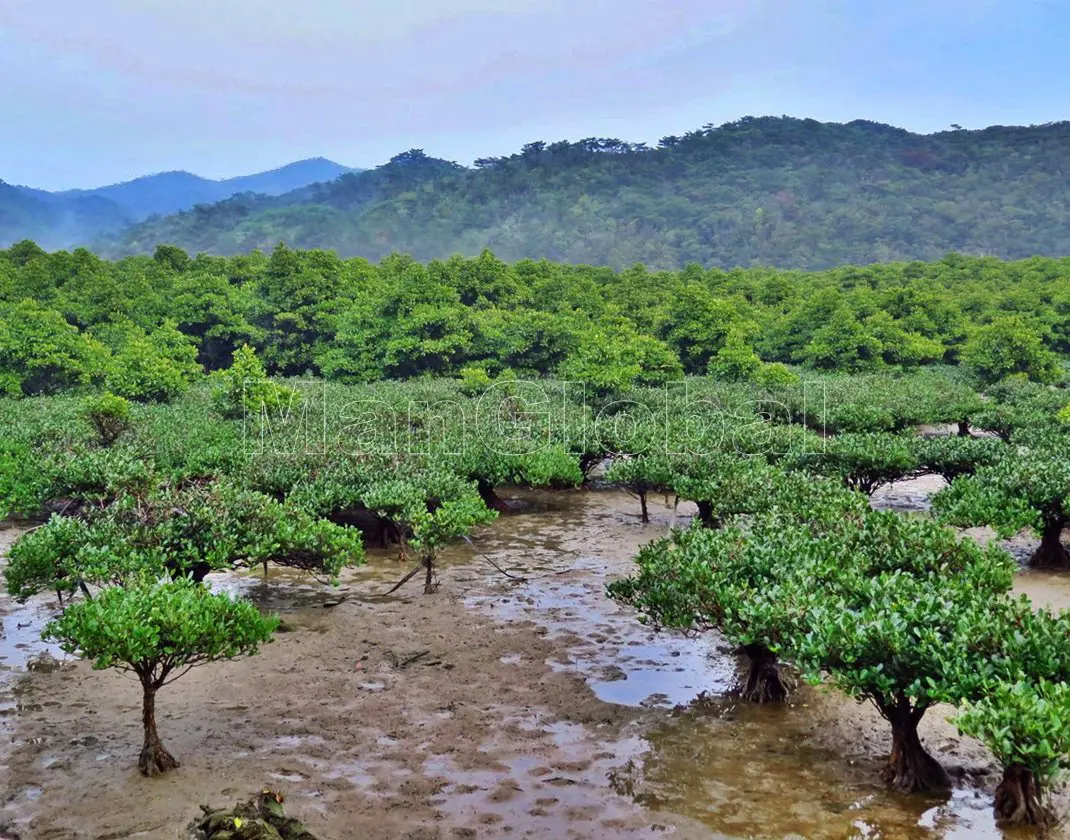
[[119, 92]]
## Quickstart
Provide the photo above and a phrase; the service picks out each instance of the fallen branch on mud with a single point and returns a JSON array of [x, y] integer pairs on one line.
[[260, 818]]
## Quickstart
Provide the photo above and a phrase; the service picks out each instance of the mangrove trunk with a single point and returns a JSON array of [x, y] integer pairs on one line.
[[910, 768], [489, 494], [705, 515], [429, 578], [1018, 799], [154, 758], [1051, 554]]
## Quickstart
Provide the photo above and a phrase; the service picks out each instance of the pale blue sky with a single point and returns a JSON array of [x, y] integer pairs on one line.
[[102, 91]]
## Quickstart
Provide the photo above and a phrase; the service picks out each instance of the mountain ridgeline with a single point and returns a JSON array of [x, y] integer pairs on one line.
[[781, 191], [79, 217]]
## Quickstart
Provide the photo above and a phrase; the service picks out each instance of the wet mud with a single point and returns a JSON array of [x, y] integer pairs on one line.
[[519, 706]]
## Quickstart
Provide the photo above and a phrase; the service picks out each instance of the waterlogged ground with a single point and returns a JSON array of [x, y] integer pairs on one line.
[[494, 708]]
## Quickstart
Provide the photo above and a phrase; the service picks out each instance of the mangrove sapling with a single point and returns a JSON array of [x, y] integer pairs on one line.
[[750, 581], [489, 468], [1028, 488], [434, 508], [109, 415], [726, 486], [718, 483], [1016, 407], [245, 391], [45, 558], [159, 631], [901, 626], [1027, 727], [24, 483], [642, 475], [1016, 675]]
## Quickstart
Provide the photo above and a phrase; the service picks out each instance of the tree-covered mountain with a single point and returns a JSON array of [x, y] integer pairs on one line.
[[74, 217], [779, 191]]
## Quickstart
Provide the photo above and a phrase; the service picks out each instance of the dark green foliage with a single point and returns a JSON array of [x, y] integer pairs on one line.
[[864, 461], [41, 353], [1010, 346]]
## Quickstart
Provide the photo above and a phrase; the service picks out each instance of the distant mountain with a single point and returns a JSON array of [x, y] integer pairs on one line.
[[71, 217], [171, 192], [759, 191], [55, 221]]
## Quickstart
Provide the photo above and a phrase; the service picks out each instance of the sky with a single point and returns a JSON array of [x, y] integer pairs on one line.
[[104, 91]]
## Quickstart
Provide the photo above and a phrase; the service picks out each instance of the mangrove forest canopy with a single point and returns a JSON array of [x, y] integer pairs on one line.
[[144, 327]]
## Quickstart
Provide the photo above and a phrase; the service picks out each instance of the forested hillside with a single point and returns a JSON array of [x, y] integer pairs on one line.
[[760, 191], [144, 325]]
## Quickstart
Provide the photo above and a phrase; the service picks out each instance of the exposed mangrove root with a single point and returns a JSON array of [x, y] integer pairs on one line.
[[643, 507], [1051, 554], [154, 760], [413, 573], [261, 818], [1018, 799], [764, 683], [910, 768], [588, 462], [964, 428], [427, 564], [196, 571]]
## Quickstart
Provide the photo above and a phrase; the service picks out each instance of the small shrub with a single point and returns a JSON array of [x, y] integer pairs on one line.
[[109, 415]]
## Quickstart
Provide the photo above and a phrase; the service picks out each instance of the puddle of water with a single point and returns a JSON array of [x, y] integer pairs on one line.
[[1045, 588], [566, 567], [288, 776], [911, 496], [751, 771], [20, 635]]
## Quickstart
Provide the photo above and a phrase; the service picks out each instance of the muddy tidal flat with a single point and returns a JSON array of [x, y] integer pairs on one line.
[[520, 706]]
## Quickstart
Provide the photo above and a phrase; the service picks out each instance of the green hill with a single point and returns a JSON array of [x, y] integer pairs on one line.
[[777, 191]]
